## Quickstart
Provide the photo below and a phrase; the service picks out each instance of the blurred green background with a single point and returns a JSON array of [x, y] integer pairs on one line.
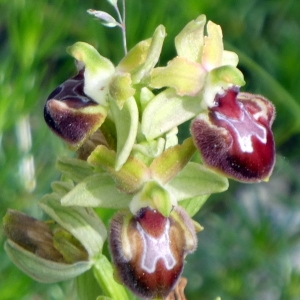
[[250, 248]]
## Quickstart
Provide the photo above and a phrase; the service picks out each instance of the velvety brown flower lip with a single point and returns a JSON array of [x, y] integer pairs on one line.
[[148, 250], [235, 136], [64, 111]]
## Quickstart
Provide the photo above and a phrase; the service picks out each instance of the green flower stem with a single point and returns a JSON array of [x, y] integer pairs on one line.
[[103, 272], [87, 287]]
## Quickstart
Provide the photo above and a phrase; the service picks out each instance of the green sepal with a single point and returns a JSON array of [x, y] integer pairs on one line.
[[98, 190], [73, 168], [104, 274], [196, 180], [166, 111], [189, 42], [41, 269], [154, 196], [120, 88], [185, 76], [171, 161], [126, 120], [81, 222], [193, 205], [131, 175], [142, 73]]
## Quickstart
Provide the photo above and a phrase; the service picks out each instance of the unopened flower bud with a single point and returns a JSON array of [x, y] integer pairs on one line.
[[235, 136], [148, 249], [44, 256]]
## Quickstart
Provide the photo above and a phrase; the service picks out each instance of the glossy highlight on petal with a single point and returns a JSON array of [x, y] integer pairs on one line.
[[148, 249], [235, 136], [71, 114]]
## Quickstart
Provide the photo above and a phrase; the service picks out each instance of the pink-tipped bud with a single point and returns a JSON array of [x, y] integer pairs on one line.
[[148, 249], [235, 137]]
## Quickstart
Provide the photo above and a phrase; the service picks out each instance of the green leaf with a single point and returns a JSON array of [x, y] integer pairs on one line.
[[82, 223], [41, 269], [126, 120], [171, 161], [166, 111], [104, 274], [129, 178], [73, 168], [196, 180], [98, 190], [193, 205]]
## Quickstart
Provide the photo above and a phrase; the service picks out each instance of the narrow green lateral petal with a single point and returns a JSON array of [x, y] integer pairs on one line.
[[41, 269], [142, 73], [173, 160], [98, 190], [73, 168], [166, 111], [193, 205], [129, 178], [120, 88], [196, 180], [189, 42], [81, 222], [185, 76], [135, 57], [126, 120]]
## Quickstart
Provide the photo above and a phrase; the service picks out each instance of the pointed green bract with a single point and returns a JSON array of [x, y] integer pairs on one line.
[[196, 180], [98, 190]]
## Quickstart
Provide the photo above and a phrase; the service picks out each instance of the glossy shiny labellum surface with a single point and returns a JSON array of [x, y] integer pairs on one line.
[[71, 114], [148, 249], [235, 136]]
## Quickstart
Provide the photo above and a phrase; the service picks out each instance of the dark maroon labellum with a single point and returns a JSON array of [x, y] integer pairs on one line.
[[148, 249], [68, 112], [235, 136]]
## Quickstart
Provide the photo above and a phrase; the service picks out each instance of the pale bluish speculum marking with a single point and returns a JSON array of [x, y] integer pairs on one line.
[[245, 128], [155, 249]]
